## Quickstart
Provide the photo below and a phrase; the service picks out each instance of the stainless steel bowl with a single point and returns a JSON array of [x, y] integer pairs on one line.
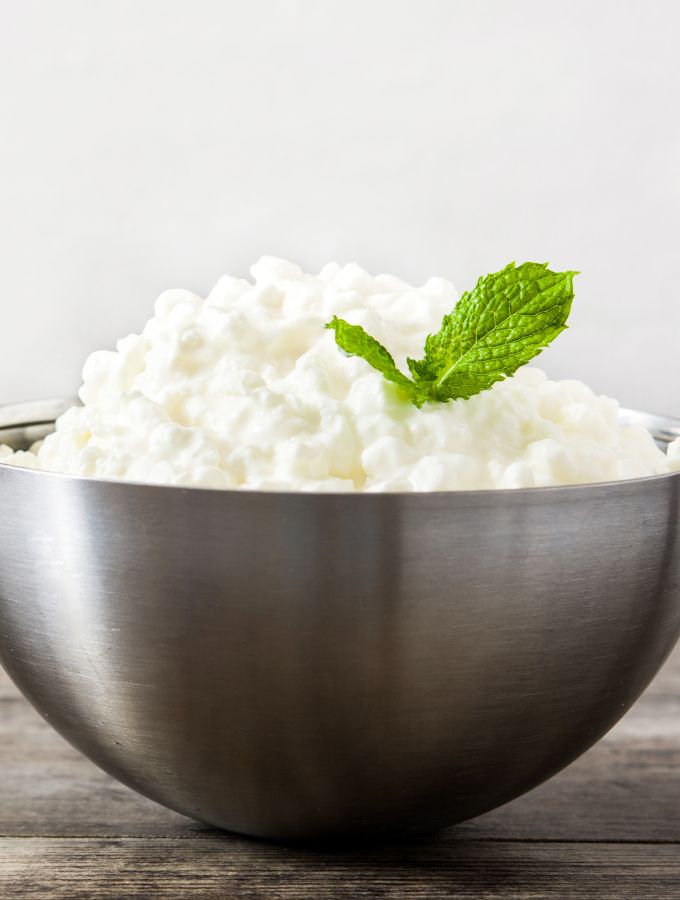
[[296, 665]]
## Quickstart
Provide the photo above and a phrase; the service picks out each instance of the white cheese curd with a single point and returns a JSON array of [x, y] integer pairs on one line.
[[247, 389]]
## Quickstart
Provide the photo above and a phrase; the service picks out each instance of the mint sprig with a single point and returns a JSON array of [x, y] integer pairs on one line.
[[503, 323]]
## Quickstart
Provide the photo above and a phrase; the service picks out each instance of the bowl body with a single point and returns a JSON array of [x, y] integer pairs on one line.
[[296, 665]]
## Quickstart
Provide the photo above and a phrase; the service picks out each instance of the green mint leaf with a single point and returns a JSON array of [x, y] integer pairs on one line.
[[502, 324], [357, 342]]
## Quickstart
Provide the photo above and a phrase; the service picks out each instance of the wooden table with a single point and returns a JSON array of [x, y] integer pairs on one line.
[[609, 826]]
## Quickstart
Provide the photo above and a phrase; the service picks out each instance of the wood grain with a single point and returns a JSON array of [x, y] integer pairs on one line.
[[607, 826], [230, 868]]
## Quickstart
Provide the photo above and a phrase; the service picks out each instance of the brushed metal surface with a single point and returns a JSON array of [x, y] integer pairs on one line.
[[299, 666]]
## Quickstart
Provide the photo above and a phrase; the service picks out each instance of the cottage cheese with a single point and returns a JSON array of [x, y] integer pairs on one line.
[[246, 389]]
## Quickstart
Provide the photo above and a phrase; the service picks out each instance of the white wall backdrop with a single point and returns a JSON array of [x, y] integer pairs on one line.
[[159, 143]]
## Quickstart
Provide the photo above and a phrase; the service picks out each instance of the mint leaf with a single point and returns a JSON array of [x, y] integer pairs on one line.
[[357, 342], [502, 324], [506, 320]]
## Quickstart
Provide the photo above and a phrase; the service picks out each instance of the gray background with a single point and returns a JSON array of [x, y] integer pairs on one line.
[[157, 144]]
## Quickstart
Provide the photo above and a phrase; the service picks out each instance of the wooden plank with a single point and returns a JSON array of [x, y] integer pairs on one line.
[[224, 867], [625, 788]]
